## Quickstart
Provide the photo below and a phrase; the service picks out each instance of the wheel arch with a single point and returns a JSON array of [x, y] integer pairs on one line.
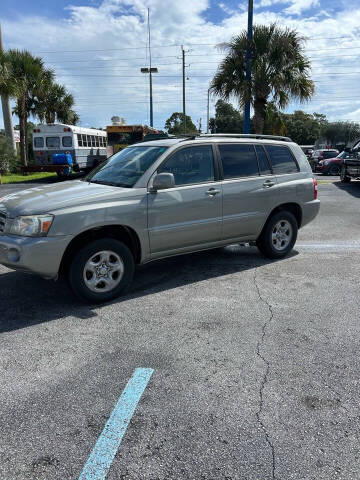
[[118, 232], [291, 207]]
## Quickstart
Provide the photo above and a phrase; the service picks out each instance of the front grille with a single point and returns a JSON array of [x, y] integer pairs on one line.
[[2, 221]]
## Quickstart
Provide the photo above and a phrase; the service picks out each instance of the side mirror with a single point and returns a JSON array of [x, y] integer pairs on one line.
[[162, 181]]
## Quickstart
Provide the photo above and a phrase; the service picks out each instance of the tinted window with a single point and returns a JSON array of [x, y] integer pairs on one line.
[[67, 141], [330, 154], [38, 142], [281, 159], [84, 137], [88, 140], [190, 165], [238, 161], [263, 161], [53, 142], [79, 139]]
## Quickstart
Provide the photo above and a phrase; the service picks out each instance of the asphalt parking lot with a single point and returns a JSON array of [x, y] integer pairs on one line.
[[255, 363]]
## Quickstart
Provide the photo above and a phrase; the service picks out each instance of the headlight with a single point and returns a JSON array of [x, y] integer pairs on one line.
[[30, 226], [326, 162]]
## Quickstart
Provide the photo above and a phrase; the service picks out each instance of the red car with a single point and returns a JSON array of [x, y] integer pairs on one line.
[[331, 166]]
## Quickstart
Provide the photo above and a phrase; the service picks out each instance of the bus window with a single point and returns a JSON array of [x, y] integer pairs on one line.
[[38, 142], [88, 140], [67, 142], [84, 141], [53, 142], [79, 139]]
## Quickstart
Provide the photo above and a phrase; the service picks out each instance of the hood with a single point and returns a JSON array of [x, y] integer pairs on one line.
[[49, 198]]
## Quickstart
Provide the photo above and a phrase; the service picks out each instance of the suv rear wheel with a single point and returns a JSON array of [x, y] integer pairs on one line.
[[278, 236], [101, 270]]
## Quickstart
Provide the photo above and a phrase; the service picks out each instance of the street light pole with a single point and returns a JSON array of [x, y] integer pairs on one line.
[[208, 111], [183, 76], [150, 71], [248, 65]]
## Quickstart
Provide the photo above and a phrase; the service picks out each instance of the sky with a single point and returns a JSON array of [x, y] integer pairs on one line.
[[97, 47]]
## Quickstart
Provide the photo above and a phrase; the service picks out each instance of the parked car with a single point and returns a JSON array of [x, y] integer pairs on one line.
[[158, 199], [319, 155], [331, 166]]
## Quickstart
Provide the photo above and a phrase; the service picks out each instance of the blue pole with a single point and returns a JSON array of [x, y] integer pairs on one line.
[[248, 65]]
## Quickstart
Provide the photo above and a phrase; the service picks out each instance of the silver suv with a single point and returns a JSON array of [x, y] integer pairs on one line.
[[157, 199]]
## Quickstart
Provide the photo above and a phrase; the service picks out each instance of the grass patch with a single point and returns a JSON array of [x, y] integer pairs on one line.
[[17, 178]]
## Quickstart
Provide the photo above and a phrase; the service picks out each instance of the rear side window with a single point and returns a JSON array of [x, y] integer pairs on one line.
[[281, 159], [38, 142], [67, 141], [238, 161], [263, 161]]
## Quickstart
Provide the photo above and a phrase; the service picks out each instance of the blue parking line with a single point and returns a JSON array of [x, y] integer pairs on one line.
[[104, 451]]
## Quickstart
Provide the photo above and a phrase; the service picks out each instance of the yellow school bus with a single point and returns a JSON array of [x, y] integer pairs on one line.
[[120, 136]]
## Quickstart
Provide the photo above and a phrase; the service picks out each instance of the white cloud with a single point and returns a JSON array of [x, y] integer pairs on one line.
[[121, 24]]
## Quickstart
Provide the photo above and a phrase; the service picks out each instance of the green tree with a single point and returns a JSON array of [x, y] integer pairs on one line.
[[7, 155], [25, 75], [341, 133], [227, 119], [274, 121], [280, 71], [175, 124], [54, 104], [303, 128]]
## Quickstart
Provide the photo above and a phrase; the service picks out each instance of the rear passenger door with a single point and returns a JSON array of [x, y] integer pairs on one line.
[[249, 189], [286, 169]]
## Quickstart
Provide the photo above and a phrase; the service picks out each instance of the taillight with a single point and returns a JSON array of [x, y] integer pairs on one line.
[[315, 188]]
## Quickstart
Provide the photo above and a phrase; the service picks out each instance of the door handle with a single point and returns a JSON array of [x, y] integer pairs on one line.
[[212, 192], [268, 184]]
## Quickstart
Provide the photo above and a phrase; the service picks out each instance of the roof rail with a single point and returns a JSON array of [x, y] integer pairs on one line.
[[255, 136]]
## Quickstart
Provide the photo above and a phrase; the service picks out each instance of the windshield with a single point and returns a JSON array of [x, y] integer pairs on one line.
[[125, 167], [343, 155]]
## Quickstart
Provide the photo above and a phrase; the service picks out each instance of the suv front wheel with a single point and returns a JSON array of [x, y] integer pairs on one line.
[[278, 236], [101, 270]]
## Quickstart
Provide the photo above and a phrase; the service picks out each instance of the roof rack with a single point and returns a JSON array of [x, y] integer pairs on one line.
[[245, 135]]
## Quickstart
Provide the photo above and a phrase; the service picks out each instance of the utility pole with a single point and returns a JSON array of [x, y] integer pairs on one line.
[[5, 103], [208, 111], [248, 65], [183, 75], [150, 71]]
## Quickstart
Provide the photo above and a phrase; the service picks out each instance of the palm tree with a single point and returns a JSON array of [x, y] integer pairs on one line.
[[25, 75], [280, 71], [53, 103]]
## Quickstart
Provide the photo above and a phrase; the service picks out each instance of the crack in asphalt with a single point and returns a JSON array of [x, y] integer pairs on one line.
[[265, 376]]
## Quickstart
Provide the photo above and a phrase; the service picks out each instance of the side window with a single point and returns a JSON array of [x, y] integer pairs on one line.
[[67, 141], [38, 142], [282, 159], [79, 139], [190, 165], [263, 161], [85, 143], [238, 161], [88, 140]]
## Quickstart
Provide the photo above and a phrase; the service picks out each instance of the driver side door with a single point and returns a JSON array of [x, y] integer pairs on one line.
[[189, 215]]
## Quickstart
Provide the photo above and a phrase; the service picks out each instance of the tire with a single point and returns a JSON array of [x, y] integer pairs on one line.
[[343, 177], [101, 270], [276, 243], [334, 170]]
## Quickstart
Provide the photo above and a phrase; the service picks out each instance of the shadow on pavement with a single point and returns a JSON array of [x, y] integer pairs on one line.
[[352, 188], [28, 300]]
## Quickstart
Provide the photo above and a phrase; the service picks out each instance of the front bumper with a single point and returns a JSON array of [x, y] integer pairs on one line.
[[34, 255]]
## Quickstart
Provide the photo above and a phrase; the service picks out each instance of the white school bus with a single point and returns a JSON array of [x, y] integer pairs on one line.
[[86, 146]]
